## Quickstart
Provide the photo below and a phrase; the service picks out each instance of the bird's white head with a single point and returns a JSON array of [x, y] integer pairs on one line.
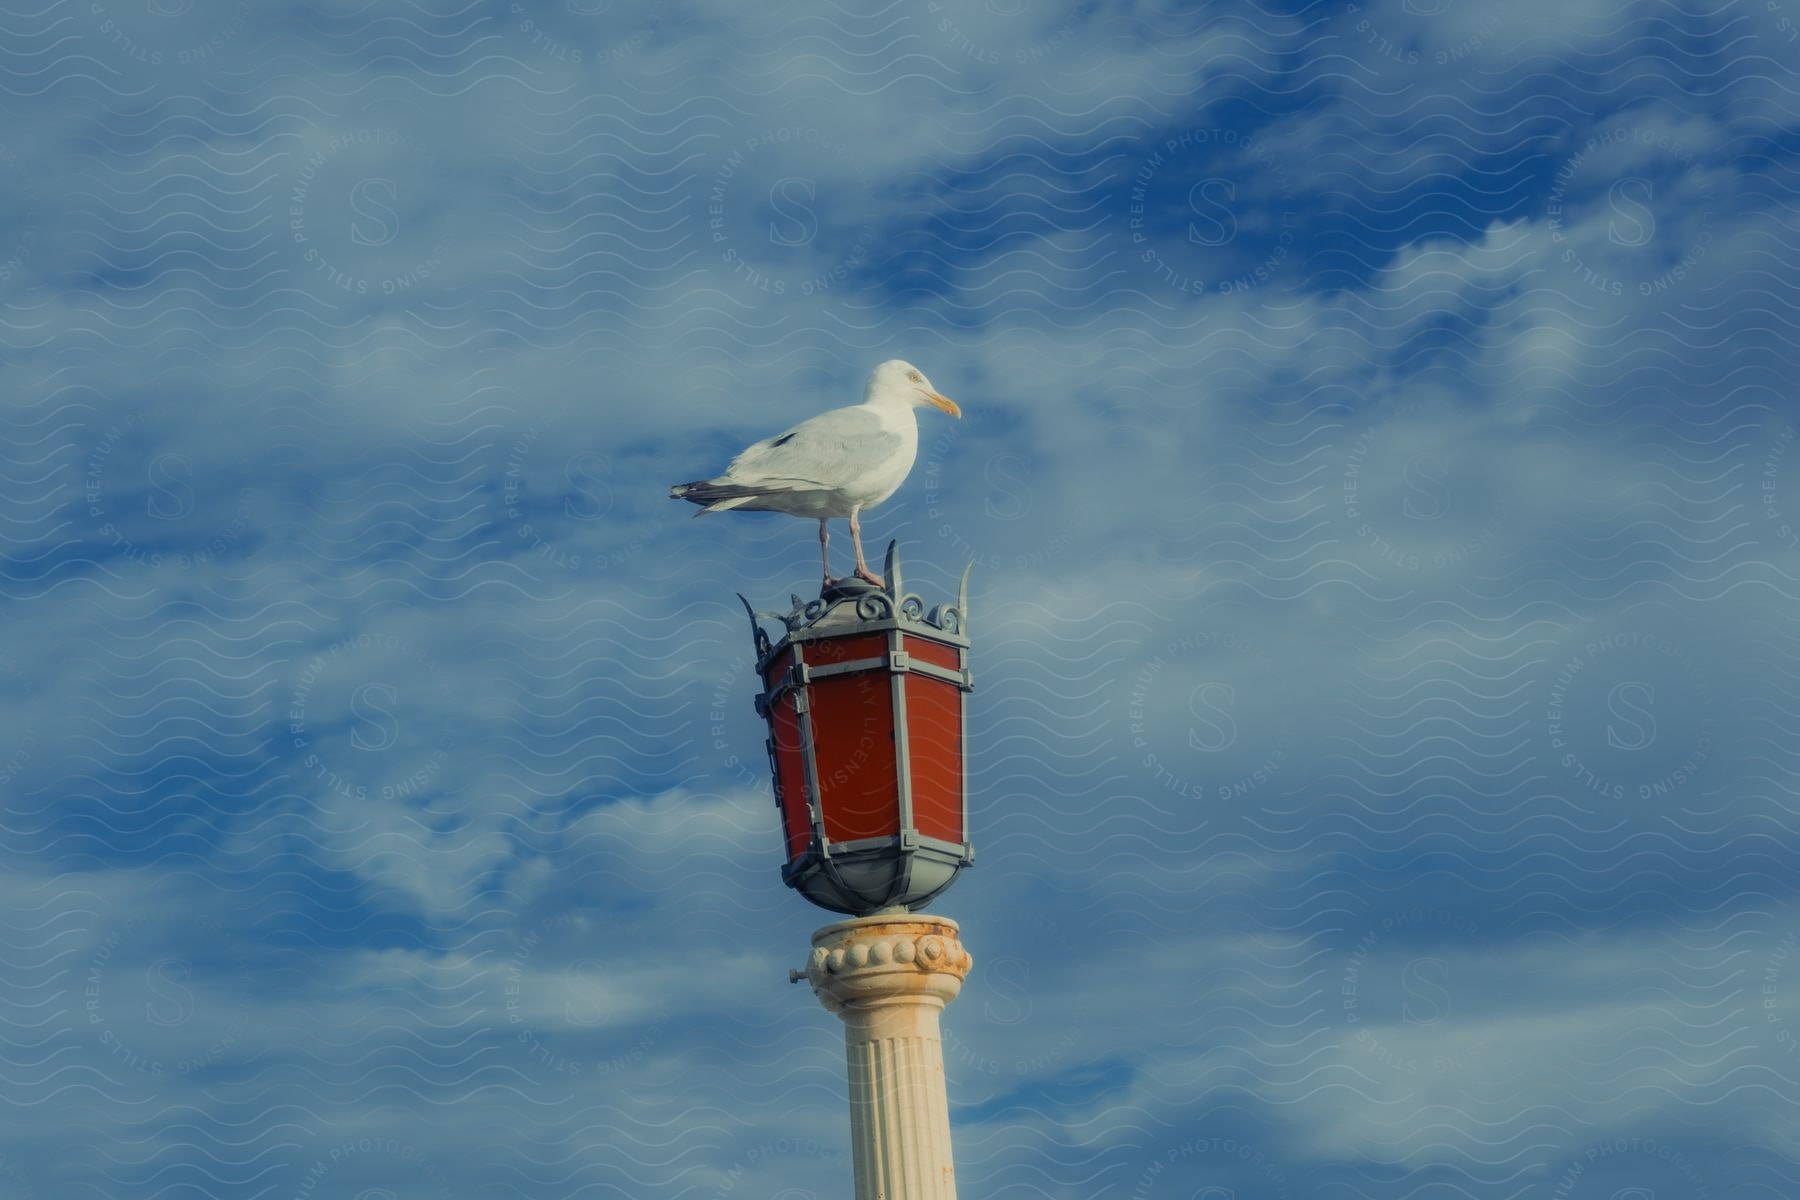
[[899, 382]]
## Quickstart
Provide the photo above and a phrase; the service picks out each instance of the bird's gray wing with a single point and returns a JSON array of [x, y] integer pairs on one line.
[[831, 450]]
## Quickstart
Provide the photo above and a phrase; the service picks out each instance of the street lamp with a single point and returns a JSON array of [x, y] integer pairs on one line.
[[863, 696]]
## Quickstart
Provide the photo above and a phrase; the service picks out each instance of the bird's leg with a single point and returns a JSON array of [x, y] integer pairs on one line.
[[825, 553], [862, 568]]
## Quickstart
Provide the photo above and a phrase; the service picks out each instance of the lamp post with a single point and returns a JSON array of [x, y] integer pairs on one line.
[[863, 696]]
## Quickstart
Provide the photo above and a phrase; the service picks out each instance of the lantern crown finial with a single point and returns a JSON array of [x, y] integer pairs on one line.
[[869, 603]]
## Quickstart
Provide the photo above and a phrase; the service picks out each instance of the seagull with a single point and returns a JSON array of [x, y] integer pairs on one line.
[[833, 465]]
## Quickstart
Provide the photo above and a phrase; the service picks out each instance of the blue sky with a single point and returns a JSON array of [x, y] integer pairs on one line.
[[1378, 458]]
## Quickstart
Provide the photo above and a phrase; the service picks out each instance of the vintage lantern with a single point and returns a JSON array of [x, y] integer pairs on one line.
[[863, 696]]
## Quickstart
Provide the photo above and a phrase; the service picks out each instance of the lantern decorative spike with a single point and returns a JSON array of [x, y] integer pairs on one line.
[[891, 569], [760, 637], [954, 618]]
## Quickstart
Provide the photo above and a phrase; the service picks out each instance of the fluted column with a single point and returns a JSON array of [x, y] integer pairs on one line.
[[888, 978]]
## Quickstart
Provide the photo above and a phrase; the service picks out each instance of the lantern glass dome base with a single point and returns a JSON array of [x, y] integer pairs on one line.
[[861, 878]]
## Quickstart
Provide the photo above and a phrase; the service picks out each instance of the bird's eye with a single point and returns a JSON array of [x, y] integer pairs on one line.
[[915, 376]]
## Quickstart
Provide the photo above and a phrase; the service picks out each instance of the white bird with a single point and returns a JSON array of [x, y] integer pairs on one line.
[[833, 465]]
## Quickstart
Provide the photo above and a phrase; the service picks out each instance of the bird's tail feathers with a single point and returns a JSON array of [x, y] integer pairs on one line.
[[724, 505], [714, 495]]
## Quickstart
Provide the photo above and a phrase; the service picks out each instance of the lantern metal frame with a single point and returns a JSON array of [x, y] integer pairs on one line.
[[823, 872]]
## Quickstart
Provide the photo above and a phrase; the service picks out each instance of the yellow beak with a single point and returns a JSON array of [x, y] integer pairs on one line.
[[945, 403]]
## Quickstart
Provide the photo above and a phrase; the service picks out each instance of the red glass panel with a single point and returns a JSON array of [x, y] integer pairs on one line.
[[935, 754], [853, 732], [935, 653], [790, 776]]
